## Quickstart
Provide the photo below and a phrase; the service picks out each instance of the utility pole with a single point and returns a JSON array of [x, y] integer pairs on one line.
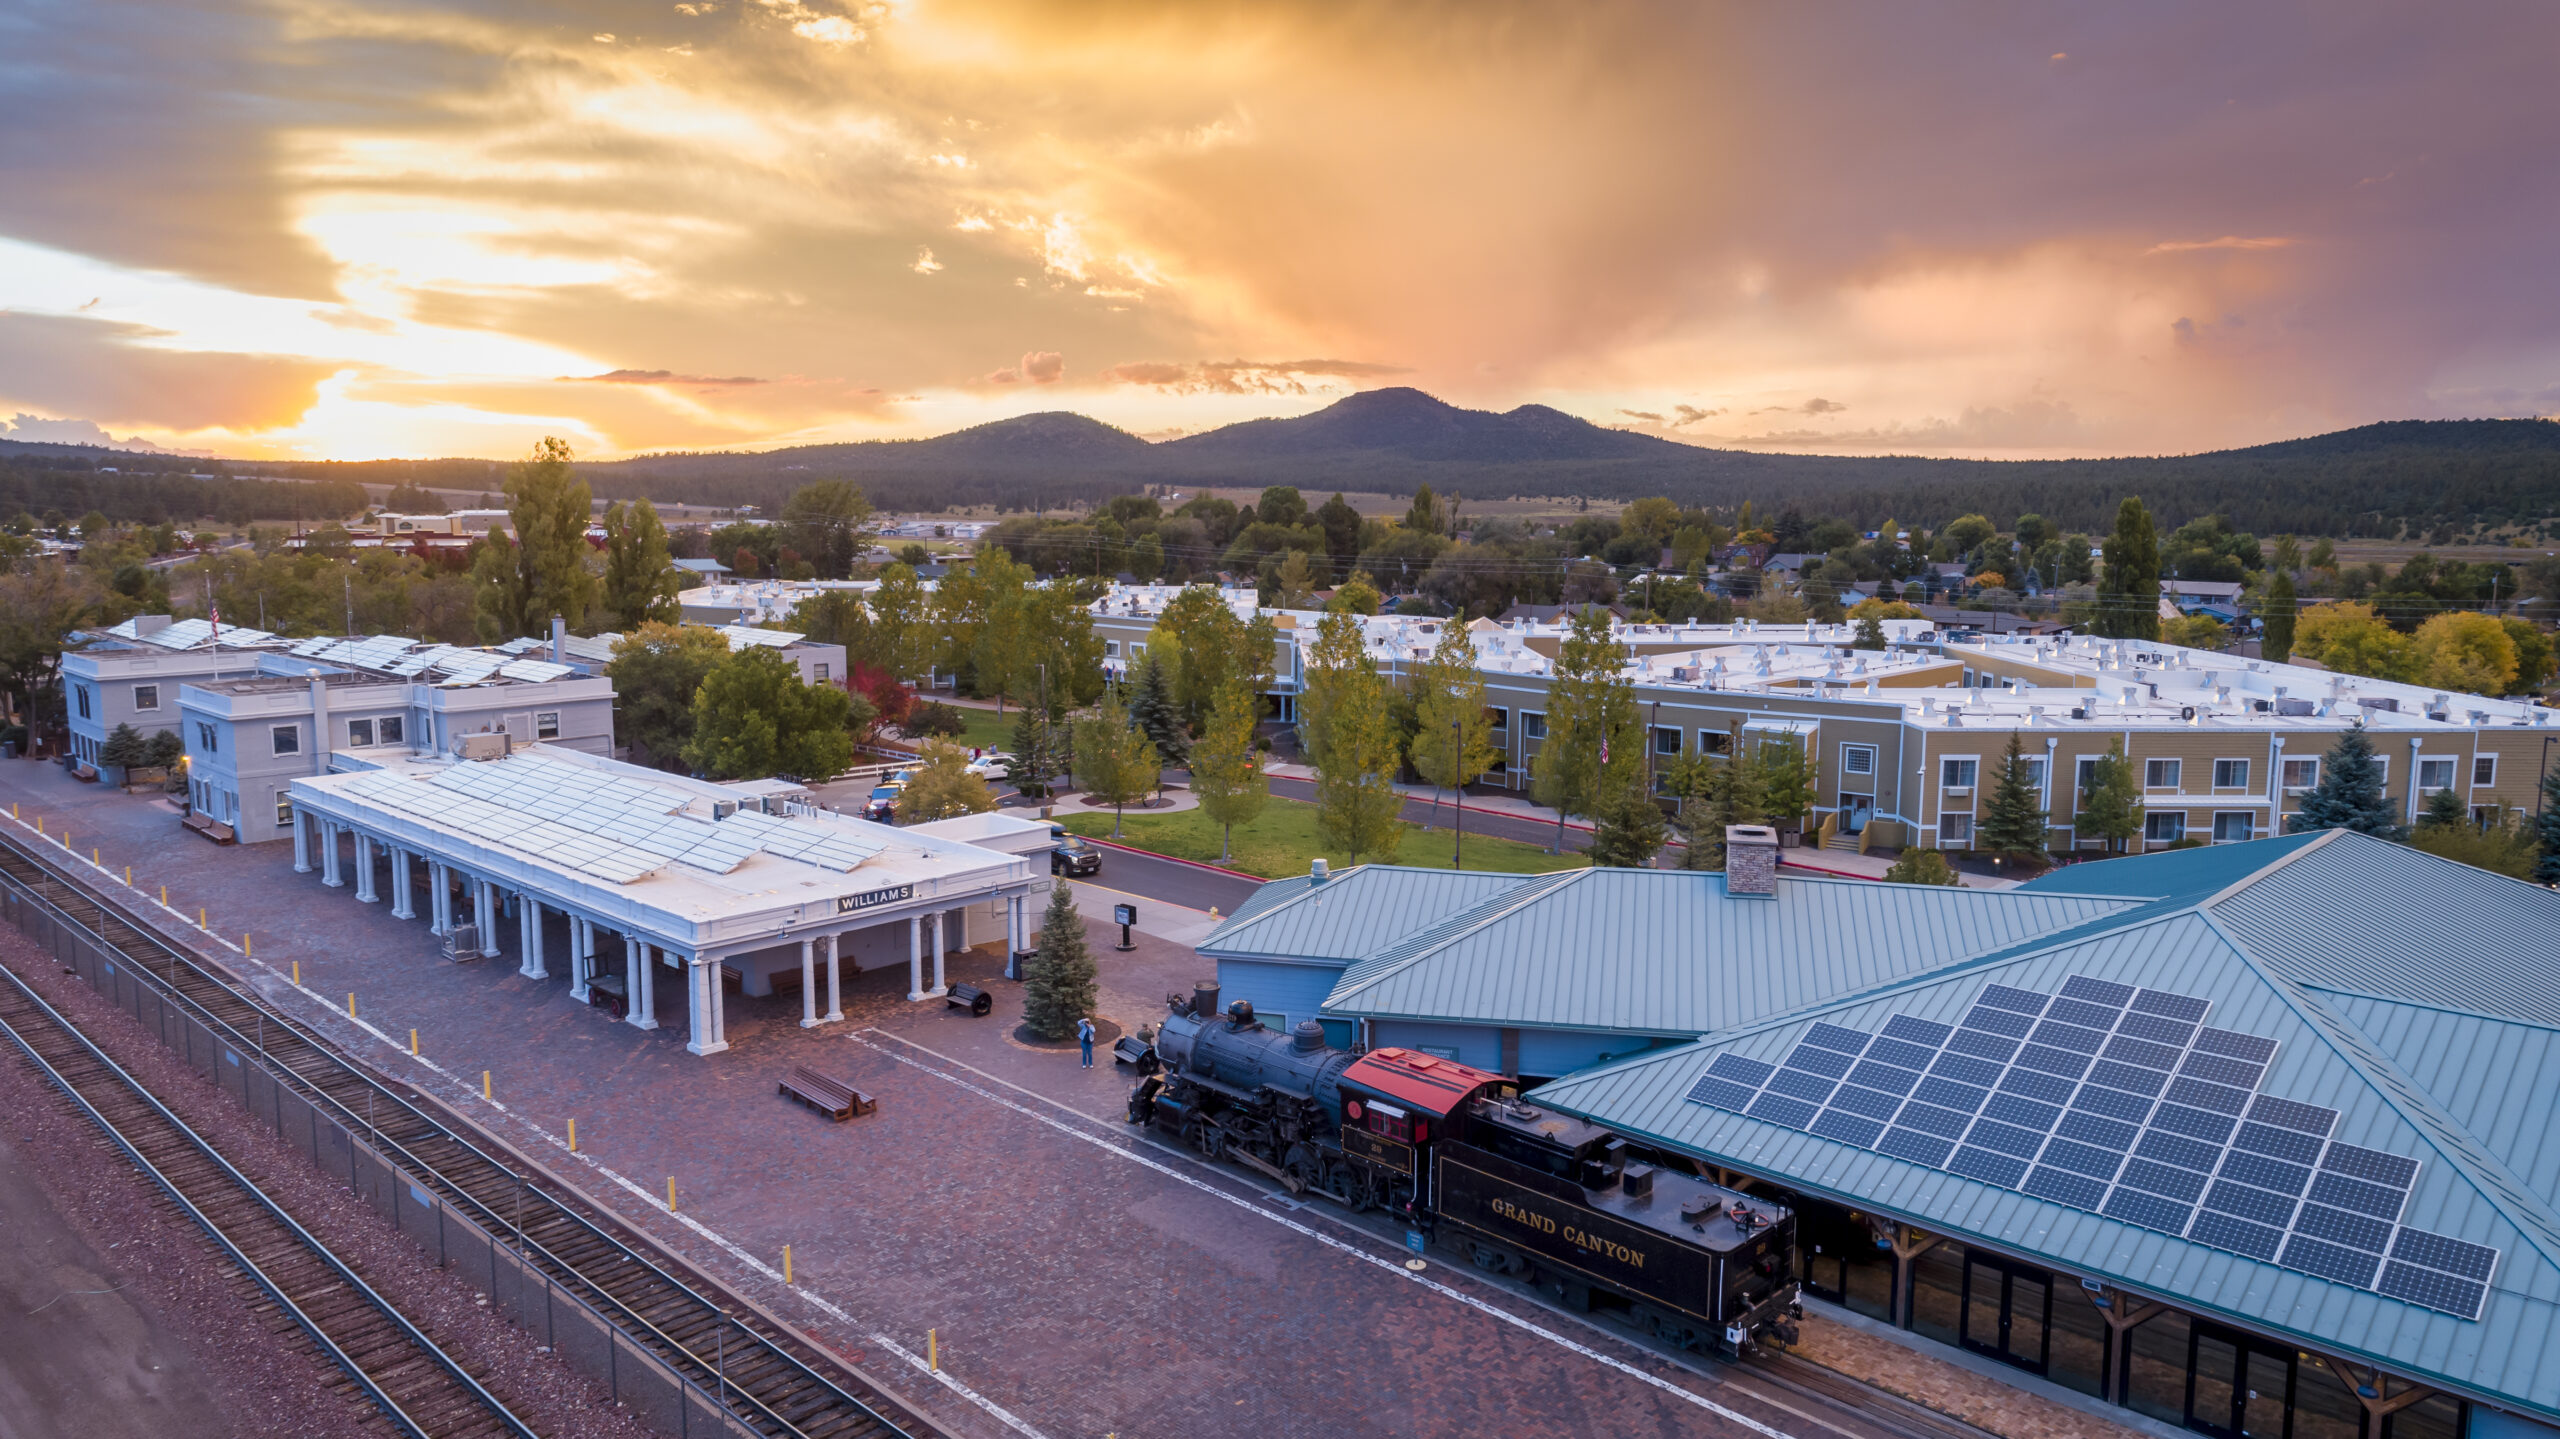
[[350, 578]]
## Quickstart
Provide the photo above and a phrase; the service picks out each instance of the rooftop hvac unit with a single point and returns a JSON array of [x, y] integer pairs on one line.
[[483, 746], [723, 808]]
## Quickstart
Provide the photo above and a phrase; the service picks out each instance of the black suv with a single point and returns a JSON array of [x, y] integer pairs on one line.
[[1071, 856]]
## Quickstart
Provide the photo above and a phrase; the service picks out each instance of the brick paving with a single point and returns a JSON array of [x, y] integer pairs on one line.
[[994, 1198]]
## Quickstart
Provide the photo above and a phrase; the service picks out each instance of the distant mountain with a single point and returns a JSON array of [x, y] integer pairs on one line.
[[1407, 424]]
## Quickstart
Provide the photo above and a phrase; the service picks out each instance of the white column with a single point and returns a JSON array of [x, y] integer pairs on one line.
[[941, 920], [808, 983], [835, 980], [1020, 935], [329, 856], [486, 917], [435, 898], [915, 957], [963, 935], [400, 888], [301, 844], [364, 868], [441, 876], [636, 977], [533, 967], [581, 957], [702, 1000]]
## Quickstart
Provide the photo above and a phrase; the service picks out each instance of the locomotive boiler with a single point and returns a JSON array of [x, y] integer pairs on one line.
[[1456, 1154]]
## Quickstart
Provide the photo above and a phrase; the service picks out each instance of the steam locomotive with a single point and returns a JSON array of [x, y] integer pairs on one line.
[[1454, 1152]]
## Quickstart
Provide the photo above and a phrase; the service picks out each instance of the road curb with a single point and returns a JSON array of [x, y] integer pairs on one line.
[[1176, 859]]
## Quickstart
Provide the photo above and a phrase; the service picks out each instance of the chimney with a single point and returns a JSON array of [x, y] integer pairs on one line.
[[1751, 861], [559, 640], [1316, 871]]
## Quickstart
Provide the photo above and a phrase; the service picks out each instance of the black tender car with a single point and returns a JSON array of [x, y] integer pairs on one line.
[[1071, 856]]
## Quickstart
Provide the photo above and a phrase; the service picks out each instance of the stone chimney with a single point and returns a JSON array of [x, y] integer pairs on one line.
[[1751, 861]]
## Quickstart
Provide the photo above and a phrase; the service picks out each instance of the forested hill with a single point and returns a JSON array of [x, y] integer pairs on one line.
[[2374, 480]]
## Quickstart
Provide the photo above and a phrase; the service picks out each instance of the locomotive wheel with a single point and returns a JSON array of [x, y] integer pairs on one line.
[[1341, 1189], [1490, 1259]]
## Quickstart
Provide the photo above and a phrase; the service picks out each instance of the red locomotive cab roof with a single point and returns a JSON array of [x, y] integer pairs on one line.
[[1427, 1082]]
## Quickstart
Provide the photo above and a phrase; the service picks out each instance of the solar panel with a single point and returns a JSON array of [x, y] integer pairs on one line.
[[534, 671], [2186, 1164]]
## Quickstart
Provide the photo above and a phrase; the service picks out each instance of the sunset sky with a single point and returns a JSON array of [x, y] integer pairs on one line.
[[306, 228]]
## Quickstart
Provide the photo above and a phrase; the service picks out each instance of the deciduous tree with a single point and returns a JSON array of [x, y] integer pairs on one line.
[[753, 717], [656, 670], [2466, 652], [640, 578], [1922, 866], [1630, 831], [1453, 736], [1591, 721], [2111, 806], [1114, 760], [2275, 642], [1226, 767], [943, 787], [1349, 737]]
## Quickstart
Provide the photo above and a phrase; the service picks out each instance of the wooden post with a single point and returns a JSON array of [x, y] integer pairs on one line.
[[1909, 1243], [2123, 1314]]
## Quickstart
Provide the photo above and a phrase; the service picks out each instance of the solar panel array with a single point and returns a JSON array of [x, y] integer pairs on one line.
[[533, 671], [188, 634], [2122, 1102], [742, 636], [600, 824]]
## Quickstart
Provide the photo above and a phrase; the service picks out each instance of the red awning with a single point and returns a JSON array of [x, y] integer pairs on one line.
[[1433, 1085]]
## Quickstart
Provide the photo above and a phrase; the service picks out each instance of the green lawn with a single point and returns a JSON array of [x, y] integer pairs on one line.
[[1283, 840], [984, 730]]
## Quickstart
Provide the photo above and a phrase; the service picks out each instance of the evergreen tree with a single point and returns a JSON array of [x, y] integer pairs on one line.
[[2546, 826], [124, 748], [2349, 795], [1630, 829], [1034, 752], [1715, 793], [2129, 590], [2111, 808], [640, 578], [1151, 709], [2013, 820], [2276, 644], [1058, 984], [1226, 769], [544, 572], [2444, 809], [1870, 634]]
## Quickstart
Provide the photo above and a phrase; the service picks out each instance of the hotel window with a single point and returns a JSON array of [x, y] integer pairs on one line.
[[2161, 773], [2165, 827], [284, 807], [146, 697], [2484, 771], [819, 671], [1666, 740], [1858, 759], [2034, 772], [359, 733], [2435, 774], [2232, 827], [288, 739], [205, 739], [2084, 772], [1715, 741], [2231, 774], [1497, 718], [1111, 649], [2301, 773], [1533, 725], [546, 724], [1957, 773], [387, 730], [1955, 831], [80, 694]]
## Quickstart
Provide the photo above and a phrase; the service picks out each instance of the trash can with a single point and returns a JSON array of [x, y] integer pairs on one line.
[[1018, 964]]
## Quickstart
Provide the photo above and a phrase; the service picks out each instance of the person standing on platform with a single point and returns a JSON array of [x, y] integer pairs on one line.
[[1084, 1037]]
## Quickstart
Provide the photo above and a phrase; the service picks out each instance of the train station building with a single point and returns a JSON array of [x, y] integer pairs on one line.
[[611, 874], [2254, 1140]]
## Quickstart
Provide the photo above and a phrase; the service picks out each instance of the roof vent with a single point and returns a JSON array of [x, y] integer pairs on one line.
[[1316, 871]]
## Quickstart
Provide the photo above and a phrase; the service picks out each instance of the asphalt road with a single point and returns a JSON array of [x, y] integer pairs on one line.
[[1171, 881]]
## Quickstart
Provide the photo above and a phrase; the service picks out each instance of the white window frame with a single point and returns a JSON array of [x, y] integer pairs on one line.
[[2177, 774], [1533, 725], [209, 737], [2248, 819], [2382, 770], [1111, 649], [2243, 782], [2452, 772], [390, 729], [1946, 771], [285, 738], [2480, 780], [1715, 741], [80, 693], [141, 708], [359, 738], [1662, 732], [1955, 829], [1497, 717], [546, 724], [818, 671], [284, 807], [2155, 817], [2289, 762], [1849, 771]]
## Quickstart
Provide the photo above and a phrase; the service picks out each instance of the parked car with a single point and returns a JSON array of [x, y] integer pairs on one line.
[[882, 807], [991, 766], [1072, 856]]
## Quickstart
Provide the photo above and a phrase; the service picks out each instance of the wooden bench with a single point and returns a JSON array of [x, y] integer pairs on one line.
[[835, 1100]]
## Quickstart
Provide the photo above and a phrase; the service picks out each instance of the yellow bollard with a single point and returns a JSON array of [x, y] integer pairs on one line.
[[351, 1005], [484, 1084], [671, 1194], [573, 1134], [933, 1350], [128, 876], [93, 858], [297, 974], [164, 896], [413, 1044], [200, 919], [245, 951], [39, 824], [786, 1264]]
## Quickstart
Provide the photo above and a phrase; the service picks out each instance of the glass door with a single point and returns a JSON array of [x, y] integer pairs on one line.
[[2008, 1311], [2266, 1406], [2238, 1387]]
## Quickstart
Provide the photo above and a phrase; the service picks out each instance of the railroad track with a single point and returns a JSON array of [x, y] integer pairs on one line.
[[418, 1387], [768, 1378]]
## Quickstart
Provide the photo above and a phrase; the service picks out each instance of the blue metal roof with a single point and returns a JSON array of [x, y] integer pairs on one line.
[[1651, 951], [2372, 995], [1351, 914]]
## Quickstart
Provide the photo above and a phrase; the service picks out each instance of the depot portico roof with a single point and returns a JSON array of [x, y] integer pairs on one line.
[[678, 859]]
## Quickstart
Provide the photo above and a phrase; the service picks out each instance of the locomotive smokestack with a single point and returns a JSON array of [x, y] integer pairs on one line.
[[1204, 999]]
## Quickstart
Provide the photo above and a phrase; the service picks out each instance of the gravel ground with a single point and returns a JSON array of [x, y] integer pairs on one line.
[[265, 1373]]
